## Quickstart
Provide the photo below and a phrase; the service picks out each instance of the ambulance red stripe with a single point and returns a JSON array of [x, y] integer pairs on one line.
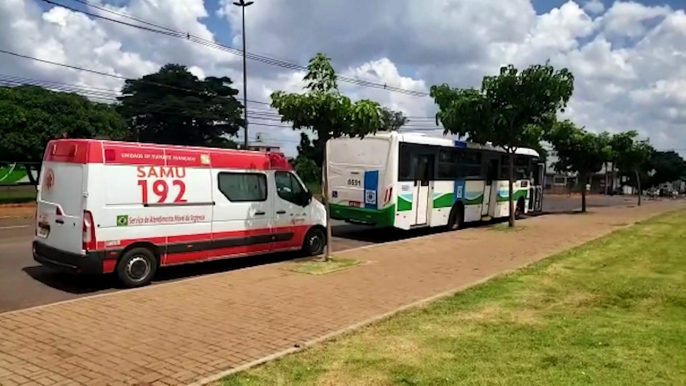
[[85, 151]]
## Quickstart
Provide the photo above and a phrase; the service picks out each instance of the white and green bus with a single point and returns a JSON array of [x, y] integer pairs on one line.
[[413, 180]]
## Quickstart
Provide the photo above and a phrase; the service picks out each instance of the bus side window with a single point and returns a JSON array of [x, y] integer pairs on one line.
[[470, 164], [404, 164], [448, 164]]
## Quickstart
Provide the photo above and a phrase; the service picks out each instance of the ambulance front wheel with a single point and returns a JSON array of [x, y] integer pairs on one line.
[[314, 242], [136, 267]]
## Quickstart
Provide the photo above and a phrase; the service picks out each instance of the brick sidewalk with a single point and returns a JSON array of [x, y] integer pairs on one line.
[[182, 332]]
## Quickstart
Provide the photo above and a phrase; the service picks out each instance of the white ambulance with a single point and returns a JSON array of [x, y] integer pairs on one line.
[[130, 208]]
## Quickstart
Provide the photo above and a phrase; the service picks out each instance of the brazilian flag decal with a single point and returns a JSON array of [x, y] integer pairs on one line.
[[122, 221]]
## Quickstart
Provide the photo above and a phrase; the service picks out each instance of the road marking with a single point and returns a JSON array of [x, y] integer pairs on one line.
[[15, 227]]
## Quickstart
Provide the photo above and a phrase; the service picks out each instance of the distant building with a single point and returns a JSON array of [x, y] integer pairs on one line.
[[262, 146], [561, 183]]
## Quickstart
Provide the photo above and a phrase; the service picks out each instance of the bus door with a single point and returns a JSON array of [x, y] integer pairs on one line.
[[423, 174], [493, 166]]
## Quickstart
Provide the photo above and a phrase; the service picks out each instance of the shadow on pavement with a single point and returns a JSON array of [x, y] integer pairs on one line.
[[78, 284]]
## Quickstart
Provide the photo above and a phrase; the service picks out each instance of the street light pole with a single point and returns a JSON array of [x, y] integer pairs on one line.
[[244, 4]]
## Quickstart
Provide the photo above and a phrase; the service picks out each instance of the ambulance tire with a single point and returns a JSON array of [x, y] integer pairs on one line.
[[136, 267], [315, 242]]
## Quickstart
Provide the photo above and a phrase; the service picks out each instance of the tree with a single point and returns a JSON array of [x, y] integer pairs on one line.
[[307, 169], [668, 166], [31, 116], [392, 120], [173, 106], [312, 149], [631, 155], [324, 110], [510, 110], [579, 151]]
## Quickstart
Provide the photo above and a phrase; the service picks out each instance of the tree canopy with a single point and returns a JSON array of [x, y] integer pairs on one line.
[[511, 110], [579, 151], [392, 120], [668, 166], [631, 154], [173, 106], [31, 116], [323, 109]]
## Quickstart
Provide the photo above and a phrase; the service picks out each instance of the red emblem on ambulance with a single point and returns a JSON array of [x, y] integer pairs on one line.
[[49, 179]]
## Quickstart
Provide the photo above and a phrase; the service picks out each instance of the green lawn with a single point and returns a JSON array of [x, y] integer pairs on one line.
[[612, 312]]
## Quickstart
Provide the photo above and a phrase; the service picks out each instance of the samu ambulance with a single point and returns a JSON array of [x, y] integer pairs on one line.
[[129, 208]]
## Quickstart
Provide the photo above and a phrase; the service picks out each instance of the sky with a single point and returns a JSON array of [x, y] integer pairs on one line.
[[627, 57]]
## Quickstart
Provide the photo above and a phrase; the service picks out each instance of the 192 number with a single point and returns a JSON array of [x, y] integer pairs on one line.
[[160, 188]]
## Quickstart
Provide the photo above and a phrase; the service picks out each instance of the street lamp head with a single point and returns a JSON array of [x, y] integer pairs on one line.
[[243, 3]]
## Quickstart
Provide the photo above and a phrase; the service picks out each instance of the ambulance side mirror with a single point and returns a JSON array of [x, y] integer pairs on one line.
[[305, 198]]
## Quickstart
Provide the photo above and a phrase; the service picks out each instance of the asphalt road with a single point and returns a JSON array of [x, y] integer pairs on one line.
[[24, 283]]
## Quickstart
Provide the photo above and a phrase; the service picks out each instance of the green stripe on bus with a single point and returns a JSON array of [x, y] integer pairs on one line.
[[404, 204], [445, 200], [379, 217], [515, 197], [474, 200]]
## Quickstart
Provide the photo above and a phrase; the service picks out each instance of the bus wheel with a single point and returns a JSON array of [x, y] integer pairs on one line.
[[314, 242], [136, 267], [519, 209], [456, 218]]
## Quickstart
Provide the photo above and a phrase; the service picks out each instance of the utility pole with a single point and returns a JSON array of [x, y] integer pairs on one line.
[[244, 4]]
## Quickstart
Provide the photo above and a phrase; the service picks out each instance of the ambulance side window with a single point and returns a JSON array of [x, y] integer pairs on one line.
[[288, 187], [243, 187]]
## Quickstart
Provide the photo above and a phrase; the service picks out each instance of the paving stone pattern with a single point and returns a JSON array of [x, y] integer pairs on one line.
[[182, 332]]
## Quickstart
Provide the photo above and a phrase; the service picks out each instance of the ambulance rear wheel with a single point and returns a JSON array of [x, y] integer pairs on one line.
[[314, 242], [136, 267]]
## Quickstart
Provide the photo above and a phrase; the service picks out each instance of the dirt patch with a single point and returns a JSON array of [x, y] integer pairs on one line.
[[14, 211]]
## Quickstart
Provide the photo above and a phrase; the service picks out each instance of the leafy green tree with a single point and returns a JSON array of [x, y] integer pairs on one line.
[[631, 155], [579, 151], [31, 116], [392, 120], [311, 148], [324, 110], [510, 110], [173, 106], [307, 169], [668, 166]]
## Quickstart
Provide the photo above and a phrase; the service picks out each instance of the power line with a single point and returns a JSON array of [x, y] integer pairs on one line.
[[156, 28], [101, 92]]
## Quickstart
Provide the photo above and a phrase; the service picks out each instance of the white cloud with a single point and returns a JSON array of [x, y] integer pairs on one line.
[[627, 59], [594, 7]]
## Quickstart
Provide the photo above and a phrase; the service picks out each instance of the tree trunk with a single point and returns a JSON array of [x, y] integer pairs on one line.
[[638, 185], [607, 179], [584, 178], [325, 195], [614, 178], [511, 178], [29, 174]]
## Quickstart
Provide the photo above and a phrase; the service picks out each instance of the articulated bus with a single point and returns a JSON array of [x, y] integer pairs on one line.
[[412, 181]]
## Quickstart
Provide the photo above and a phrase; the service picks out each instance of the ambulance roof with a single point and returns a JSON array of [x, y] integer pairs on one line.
[[87, 151]]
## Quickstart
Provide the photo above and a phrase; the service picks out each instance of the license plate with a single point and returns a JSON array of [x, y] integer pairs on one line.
[[43, 233], [354, 204], [43, 230]]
